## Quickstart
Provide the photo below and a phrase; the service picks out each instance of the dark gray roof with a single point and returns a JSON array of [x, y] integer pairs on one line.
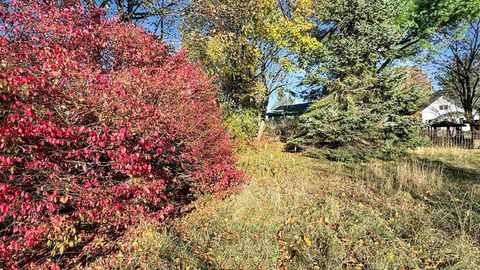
[[290, 109]]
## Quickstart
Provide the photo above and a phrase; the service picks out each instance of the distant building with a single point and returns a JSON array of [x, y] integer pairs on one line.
[[444, 109], [287, 111]]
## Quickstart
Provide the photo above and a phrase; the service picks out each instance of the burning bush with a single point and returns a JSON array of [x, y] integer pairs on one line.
[[99, 127]]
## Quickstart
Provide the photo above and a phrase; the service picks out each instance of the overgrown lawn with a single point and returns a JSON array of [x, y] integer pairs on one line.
[[296, 212]]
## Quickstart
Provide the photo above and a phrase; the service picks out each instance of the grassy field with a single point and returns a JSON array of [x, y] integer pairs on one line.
[[295, 212]]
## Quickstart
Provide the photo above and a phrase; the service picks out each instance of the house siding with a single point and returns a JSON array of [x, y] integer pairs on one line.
[[436, 111]]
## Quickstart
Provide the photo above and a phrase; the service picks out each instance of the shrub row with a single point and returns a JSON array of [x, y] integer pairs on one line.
[[99, 127]]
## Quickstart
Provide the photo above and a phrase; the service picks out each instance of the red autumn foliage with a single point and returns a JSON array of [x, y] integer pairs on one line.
[[99, 127]]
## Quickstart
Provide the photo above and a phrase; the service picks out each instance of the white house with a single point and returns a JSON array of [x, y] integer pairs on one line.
[[444, 109]]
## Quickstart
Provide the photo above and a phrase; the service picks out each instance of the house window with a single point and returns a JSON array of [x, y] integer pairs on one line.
[[444, 107]]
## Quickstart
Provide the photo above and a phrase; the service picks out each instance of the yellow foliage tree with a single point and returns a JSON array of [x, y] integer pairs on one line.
[[244, 44]]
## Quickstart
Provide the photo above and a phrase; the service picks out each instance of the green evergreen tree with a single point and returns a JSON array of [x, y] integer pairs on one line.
[[381, 120], [367, 108]]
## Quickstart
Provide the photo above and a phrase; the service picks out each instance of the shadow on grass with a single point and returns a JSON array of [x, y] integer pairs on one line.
[[452, 172], [457, 210]]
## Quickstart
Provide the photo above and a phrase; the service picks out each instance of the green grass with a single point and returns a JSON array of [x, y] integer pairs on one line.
[[295, 212]]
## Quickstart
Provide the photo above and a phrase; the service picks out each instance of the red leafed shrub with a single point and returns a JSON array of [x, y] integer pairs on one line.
[[99, 127]]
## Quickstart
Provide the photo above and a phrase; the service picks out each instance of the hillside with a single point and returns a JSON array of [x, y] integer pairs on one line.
[[295, 212]]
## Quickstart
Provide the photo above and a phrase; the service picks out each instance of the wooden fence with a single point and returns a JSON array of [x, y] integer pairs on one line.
[[453, 138]]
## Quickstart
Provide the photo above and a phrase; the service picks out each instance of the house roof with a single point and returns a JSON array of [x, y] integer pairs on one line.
[[290, 109], [281, 101], [446, 99]]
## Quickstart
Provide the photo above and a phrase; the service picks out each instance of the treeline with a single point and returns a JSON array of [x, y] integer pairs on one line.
[[348, 54]]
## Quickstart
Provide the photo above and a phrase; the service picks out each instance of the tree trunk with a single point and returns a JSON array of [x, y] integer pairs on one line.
[[263, 120], [262, 127], [470, 120]]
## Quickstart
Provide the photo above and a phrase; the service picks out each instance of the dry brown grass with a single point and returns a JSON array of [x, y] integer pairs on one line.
[[301, 213]]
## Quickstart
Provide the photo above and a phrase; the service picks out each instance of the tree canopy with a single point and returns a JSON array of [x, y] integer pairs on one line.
[[364, 102], [232, 39]]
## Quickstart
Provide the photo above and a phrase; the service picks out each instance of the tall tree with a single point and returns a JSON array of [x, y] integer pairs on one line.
[[235, 42], [459, 66], [367, 103]]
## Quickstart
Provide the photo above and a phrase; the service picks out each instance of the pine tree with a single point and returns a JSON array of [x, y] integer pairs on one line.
[[367, 109]]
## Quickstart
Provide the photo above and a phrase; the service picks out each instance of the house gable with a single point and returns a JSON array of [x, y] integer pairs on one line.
[[441, 108]]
